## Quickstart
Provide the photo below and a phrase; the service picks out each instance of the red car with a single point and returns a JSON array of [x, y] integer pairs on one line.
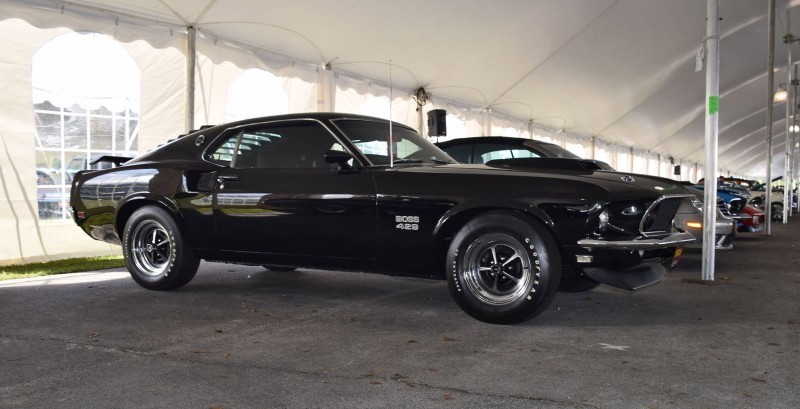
[[754, 223]]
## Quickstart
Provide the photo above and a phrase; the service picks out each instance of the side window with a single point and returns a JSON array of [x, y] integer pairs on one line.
[[492, 151], [281, 145], [461, 153], [524, 153]]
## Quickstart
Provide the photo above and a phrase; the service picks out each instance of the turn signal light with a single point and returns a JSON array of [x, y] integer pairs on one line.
[[695, 225]]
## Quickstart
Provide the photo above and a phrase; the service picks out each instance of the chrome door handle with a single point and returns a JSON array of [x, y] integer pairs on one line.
[[222, 179], [227, 178]]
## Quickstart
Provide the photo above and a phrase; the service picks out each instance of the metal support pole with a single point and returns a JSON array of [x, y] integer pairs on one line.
[[787, 194], [191, 36], [791, 141], [486, 122], [421, 121], [711, 142], [630, 155], [530, 128], [325, 86], [770, 94]]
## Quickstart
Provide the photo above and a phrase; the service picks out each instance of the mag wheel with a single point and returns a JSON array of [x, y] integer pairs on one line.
[[155, 252], [503, 268]]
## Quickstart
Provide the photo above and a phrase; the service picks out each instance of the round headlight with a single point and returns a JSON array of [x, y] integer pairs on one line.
[[698, 204]]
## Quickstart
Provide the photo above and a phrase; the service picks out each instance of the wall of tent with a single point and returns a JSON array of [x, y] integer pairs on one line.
[[89, 85]]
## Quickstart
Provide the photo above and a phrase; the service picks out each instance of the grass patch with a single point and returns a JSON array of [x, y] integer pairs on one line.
[[69, 265]]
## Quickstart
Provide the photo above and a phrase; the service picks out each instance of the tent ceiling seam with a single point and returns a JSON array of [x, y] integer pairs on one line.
[[551, 55]]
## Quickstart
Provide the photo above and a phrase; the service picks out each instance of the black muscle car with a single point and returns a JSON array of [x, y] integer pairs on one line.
[[341, 191], [522, 153]]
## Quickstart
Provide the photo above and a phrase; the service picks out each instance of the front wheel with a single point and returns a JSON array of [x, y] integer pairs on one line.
[[156, 254], [503, 268]]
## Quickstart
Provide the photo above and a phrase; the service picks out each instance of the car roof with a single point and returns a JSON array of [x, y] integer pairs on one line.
[[493, 139]]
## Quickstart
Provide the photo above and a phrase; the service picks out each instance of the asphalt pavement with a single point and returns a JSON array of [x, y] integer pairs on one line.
[[244, 337]]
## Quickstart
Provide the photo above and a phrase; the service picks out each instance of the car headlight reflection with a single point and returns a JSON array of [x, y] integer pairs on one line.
[[602, 221], [698, 204]]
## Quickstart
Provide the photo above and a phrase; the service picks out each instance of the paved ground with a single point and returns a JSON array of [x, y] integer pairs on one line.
[[243, 337]]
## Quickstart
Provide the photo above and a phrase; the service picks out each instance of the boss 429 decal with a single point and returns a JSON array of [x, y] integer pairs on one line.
[[407, 222]]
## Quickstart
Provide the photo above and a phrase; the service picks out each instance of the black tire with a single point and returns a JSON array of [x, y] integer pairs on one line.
[[156, 254], [503, 268], [577, 285], [279, 268]]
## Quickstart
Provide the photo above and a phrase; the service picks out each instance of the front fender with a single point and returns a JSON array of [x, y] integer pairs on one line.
[[475, 207]]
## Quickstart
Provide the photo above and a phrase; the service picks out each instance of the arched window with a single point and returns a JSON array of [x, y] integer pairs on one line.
[[86, 93], [256, 93]]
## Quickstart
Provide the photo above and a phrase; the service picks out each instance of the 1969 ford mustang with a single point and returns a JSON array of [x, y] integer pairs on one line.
[[341, 191]]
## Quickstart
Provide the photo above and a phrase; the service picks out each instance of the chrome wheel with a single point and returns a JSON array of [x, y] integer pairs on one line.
[[151, 248], [497, 269]]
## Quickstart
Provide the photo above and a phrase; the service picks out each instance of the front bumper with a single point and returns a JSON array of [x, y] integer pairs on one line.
[[672, 240], [630, 264]]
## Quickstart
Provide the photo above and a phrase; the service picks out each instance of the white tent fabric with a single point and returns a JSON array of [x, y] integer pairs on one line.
[[620, 70], [616, 72]]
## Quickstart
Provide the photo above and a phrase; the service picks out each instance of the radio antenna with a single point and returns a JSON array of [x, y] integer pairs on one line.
[[391, 148]]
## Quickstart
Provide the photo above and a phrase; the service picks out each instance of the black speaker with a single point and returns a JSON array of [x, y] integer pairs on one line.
[[677, 170], [437, 124]]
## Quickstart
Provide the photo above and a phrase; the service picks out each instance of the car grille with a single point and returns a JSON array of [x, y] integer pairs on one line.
[[658, 218], [735, 206], [723, 209]]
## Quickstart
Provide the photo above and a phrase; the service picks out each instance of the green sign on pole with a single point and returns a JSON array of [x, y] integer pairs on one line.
[[713, 105]]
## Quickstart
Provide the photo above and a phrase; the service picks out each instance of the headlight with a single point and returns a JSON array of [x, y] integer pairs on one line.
[[698, 204]]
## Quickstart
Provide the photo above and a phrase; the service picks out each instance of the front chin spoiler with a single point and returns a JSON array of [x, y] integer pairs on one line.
[[641, 276]]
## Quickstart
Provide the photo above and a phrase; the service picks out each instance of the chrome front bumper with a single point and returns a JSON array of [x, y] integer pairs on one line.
[[674, 239]]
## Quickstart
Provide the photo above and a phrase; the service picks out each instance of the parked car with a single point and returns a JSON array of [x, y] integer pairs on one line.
[[483, 149], [522, 152], [341, 191], [692, 222], [49, 201], [733, 199], [754, 222]]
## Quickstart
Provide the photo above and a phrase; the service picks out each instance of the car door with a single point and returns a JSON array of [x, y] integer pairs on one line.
[[278, 196]]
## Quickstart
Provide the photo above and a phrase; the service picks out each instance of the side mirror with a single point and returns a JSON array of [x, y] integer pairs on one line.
[[339, 157]]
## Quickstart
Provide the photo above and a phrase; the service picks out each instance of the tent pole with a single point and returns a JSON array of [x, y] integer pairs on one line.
[[191, 36], [793, 155], [787, 194], [770, 92], [421, 121], [711, 142]]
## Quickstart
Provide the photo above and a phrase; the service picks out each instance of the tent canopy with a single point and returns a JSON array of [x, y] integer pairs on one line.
[[620, 70]]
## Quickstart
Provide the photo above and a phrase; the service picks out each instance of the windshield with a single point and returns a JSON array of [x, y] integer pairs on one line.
[[372, 139]]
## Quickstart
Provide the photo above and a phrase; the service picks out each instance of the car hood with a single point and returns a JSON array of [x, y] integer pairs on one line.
[[610, 181], [587, 168]]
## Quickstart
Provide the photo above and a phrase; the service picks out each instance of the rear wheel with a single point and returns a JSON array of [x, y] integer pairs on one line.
[[503, 268], [156, 254]]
